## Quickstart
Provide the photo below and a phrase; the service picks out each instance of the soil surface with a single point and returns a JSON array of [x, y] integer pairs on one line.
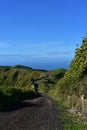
[[40, 113]]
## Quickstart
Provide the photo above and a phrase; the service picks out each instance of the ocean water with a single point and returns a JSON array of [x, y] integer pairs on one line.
[[47, 63]]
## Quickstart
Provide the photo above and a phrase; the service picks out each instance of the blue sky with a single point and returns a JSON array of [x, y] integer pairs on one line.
[[41, 31]]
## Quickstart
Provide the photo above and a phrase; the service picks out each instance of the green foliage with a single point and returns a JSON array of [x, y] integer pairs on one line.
[[71, 83], [72, 123], [21, 78], [72, 86], [12, 95], [77, 126], [59, 71], [4, 68], [18, 76]]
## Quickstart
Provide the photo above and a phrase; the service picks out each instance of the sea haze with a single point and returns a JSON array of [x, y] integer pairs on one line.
[[48, 63]]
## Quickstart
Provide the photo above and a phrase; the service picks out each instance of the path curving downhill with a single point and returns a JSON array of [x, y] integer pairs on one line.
[[40, 113]]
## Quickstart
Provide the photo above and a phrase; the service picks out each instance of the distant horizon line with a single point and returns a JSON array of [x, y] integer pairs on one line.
[[49, 53]]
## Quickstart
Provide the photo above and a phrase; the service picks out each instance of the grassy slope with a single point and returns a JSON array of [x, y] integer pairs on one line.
[[16, 81], [75, 79], [19, 76], [71, 90]]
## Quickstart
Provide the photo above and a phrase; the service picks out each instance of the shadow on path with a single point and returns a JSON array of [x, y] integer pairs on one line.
[[13, 99]]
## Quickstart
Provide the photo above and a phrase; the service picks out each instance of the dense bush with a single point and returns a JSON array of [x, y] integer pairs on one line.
[[74, 80]]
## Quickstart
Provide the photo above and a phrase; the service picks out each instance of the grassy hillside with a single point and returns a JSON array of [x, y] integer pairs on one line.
[[18, 80], [18, 76], [22, 76], [74, 81], [71, 90]]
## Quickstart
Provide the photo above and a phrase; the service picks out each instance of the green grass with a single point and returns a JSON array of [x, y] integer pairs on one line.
[[75, 127], [59, 71], [10, 95], [20, 79], [71, 123]]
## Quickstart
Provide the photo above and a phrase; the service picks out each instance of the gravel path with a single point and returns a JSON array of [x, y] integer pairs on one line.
[[35, 114]]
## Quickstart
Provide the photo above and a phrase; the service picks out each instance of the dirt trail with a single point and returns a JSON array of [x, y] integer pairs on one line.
[[35, 114]]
